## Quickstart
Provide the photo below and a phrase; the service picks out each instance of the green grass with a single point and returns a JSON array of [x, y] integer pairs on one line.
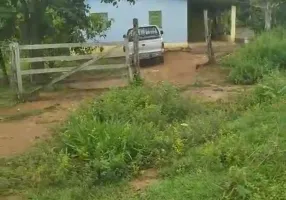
[[200, 185], [7, 97], [262, 56], [228, 151]]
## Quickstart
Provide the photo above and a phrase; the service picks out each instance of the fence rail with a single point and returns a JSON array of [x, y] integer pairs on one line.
[[67, 69], [57, 58], [68, 45], [62, 58]]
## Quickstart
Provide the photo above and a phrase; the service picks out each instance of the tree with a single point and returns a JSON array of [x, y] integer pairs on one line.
[[3, 68], [268, 7], [280, 15], [262, 14], [7, 30], [39, 21], [47, 21]]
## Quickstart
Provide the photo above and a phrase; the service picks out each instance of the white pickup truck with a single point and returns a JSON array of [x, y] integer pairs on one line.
[[151, 44]]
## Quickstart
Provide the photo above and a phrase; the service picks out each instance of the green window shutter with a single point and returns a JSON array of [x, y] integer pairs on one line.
[[155, 18]]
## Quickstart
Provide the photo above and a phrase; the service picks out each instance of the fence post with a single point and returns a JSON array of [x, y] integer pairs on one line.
[[208, 37], [127, 57], [233, 23], [16, 77], [18, 69], [13, 79], [136, 60]]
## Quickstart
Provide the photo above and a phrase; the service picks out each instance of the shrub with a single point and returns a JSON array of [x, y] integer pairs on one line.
[[127, 129], [268, 90], [262, 56], [251, 154]]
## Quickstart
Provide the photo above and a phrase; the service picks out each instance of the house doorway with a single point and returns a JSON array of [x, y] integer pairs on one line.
[[220, 13], [195, 23]]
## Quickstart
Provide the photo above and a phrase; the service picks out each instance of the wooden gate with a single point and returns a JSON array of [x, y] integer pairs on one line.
[[17, 60], [17, 72]]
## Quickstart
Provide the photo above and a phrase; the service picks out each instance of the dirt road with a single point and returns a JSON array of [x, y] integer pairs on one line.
[[29, 122]]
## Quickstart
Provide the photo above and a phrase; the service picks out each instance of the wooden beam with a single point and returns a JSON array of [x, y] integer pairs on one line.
[[67, 69], [208, 37], [16, 78], [136, 60], [13, 76], [68, 45], [58, 58], [233, 24], [206, 23], [127, 59], [64, 58]]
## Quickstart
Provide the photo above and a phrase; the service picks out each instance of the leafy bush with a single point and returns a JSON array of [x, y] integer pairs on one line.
[[272, 87], [127, 129], [268, 90], [251, 154], [260, 57]]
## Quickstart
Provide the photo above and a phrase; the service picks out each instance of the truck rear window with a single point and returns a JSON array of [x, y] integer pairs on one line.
[[145, 33]]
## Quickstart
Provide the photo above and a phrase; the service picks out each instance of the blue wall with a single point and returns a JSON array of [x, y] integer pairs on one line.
[[174, 17]]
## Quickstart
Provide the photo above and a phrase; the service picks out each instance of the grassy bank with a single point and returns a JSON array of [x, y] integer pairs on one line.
[[261, 57], [114, 138], [202, 150], [246, 161]]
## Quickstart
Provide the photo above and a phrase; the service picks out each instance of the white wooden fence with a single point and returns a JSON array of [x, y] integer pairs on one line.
[[17, 60]]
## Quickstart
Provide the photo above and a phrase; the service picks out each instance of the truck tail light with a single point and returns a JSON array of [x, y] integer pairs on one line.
[[163, 45], [124, 49]]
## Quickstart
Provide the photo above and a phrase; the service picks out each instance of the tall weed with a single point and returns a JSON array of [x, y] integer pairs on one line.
[[270, 89], [250, 63], [248, 154], [127, 129]]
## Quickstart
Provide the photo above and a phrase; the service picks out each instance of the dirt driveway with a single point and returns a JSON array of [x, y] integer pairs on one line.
[[179, 68], [31, 121]]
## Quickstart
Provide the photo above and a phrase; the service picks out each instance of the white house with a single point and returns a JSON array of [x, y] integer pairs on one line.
[[170, 15], [178, 19]]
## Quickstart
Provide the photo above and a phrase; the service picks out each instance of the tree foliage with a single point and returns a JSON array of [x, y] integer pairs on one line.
[[115, 2], [47, 21], [38, 21], [267, 9]]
